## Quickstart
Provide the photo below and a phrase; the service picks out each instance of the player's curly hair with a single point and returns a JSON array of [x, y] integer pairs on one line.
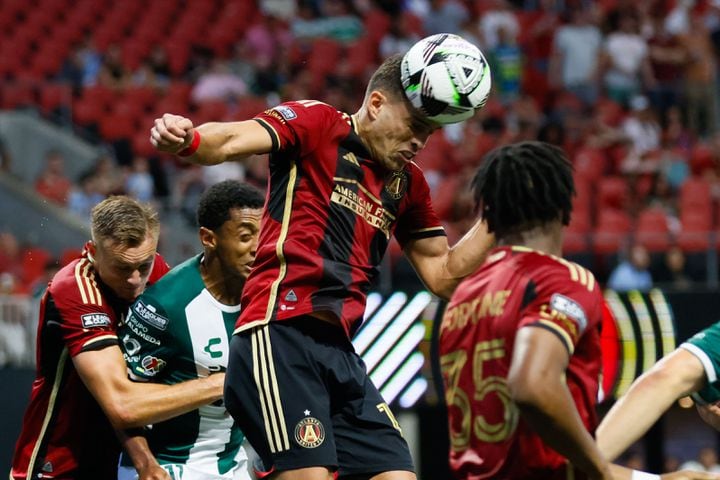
[[216, 202], [522, 186]]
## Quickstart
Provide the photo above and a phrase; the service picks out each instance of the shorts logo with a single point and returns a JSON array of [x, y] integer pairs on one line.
[[397, 184], [291, 297], [147, 313], [152, 365], [286, 112], [91, 320], [309, 432]]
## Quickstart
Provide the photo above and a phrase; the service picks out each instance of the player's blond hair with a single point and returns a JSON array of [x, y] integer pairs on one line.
[[123, 220]]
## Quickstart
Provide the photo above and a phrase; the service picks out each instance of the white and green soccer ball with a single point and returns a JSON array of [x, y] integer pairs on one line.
[[446, 77]]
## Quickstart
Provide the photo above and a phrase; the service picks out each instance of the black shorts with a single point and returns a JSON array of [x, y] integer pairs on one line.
[[303, 398]]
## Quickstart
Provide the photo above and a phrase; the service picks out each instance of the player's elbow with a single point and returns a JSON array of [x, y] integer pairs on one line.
[[525, 392]]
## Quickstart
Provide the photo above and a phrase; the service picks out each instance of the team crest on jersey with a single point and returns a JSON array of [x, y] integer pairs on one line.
[[286, 112], [90, 320], [152, 365], [309, 432], [396, 185]]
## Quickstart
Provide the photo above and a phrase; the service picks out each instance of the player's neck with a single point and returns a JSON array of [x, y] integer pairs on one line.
[[544, 238], [221, 286]]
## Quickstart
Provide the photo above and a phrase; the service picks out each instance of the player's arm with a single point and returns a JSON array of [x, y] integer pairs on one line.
[[217, 142], [537, 386], [442, 267], [128, 404], [674, 376], [135, 445]]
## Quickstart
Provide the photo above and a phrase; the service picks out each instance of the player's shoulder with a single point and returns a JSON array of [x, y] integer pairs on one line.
[[555, 271], [298, 109], [77, 284]]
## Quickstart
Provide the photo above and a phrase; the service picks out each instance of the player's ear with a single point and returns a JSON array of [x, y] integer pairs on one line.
[[207, 238], [375, 102]]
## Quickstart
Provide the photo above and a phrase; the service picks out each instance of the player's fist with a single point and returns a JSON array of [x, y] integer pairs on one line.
[[154, 472], [171, 133]]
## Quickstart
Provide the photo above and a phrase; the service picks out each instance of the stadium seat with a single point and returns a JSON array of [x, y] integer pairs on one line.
[[16, 95], [118, 127], [694, 235], [611, 232], [99, 95], [377, 23], [695, 194], [68, 255], [652, 230], [590, 164], [701, 159], [33, 263], [141, 145], [612, 192], [575, 237], [87, 113], [211, 111], [55, 95]]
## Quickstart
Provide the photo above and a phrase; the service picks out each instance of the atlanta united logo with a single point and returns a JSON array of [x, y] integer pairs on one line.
[[309, 432], [397, 184]]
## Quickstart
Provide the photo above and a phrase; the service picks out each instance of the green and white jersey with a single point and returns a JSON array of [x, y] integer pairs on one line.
[[705, 345], [177, 331]]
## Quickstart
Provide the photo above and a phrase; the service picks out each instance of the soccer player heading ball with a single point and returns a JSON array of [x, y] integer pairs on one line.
[[340, 186]]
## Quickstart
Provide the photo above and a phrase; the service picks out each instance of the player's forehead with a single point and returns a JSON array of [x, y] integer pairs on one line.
[[122, 255]]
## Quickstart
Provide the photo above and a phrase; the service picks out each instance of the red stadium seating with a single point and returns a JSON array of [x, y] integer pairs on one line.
[[16, 95], [612, 192], [611, 232], [694, 235], [54, 95], [652, 230]]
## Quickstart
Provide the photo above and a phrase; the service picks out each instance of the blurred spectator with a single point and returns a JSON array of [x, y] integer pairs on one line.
[[72, 71], [507, 66], [85, 196], [10, 255], [498, 17], [700, 88], [677, 21], [707, 461], [399, 38], [266, 38], [662, 196], [14, 336], [575, 54], [52, 183], [37, 288], [213, 174], [673, 273], [338, 22], [667, 58], [285, 9], [113, 73], [218, 83], [154, 71], [139, 182], [632, 273], [91, 61], [108, 177], [537, 39], [445, 16], [643, 130], [625, 61]]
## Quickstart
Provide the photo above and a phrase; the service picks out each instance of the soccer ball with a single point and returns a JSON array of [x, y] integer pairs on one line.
[[445, 77]]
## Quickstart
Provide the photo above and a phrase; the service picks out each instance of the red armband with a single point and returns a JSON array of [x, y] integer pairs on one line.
[[192, 148]]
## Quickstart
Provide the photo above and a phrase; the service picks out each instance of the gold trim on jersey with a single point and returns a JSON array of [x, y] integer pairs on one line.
[[268, 393], [277, 137], [97, 339], [563, 334], [85, 279], [51, 405], [577, 273]]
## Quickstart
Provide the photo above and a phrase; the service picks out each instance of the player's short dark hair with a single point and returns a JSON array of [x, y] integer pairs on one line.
[[522, 186], [123, 220], [387, 78], [216, 202]]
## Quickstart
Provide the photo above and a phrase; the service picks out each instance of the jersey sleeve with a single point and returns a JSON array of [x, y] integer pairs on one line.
[[296, 125], [86, 322], [705, 345], [567, 302], [419, 219], [143, 336], [160, 268]]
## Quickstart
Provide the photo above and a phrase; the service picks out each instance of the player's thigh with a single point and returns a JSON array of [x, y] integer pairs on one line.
[[275, 391], [368, 437]]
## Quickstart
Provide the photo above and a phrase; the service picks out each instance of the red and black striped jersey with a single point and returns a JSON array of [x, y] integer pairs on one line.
[[330, 213], [65, 433], [516, 287]]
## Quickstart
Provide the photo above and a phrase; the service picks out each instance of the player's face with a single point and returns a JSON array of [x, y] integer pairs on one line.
[[237, 241], [398, 134], [125, 269]]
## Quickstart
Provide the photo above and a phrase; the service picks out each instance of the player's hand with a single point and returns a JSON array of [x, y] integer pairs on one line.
[[710, 414], [153, 472], [689, 475], [171, 133]]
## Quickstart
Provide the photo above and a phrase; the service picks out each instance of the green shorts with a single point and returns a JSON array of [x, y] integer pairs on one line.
[[705, 345]]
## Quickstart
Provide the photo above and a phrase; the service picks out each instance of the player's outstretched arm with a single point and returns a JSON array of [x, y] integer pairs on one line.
[[678, 374], [442, 267], [537, 387], [128, 404], [135, 444], [210, 143]]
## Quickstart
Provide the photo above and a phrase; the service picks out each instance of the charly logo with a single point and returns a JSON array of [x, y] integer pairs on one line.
[[396, 184], [309, 432]]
